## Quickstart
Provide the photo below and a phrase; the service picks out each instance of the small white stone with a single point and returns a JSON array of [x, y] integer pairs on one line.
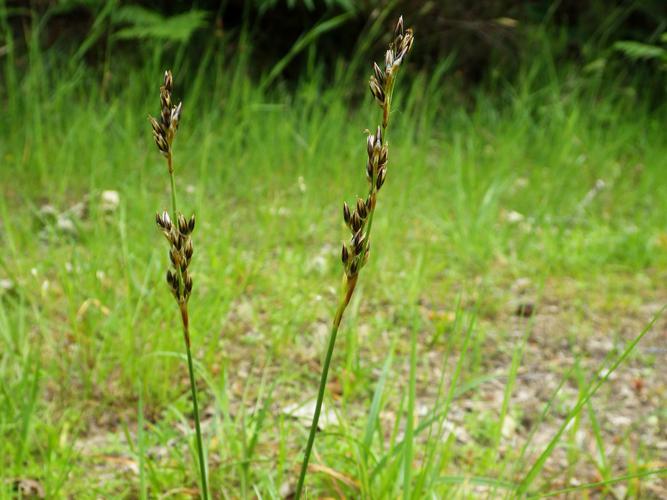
[[109, 201]]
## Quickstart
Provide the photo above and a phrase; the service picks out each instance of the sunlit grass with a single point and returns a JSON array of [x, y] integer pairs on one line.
[[484, 195]]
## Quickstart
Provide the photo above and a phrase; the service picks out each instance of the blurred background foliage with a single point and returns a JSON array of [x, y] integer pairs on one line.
[[485, 42]]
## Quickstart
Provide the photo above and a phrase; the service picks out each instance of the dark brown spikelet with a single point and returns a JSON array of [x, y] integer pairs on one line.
[[164, 129], [179, 230], [381, 84]]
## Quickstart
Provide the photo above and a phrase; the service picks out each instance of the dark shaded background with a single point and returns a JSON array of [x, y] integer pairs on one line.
[[489, 39]]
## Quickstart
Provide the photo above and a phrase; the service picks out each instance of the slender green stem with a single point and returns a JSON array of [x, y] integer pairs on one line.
[[173, 183], [183, 306], [323, 384], [409, 432], [195, 407]]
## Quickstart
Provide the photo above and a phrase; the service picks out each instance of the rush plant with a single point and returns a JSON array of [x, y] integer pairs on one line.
[[359, 220], [178, 230]]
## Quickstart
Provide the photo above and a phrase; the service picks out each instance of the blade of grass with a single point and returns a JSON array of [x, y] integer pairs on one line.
[[608, 482], [302, 43], [602, 377]]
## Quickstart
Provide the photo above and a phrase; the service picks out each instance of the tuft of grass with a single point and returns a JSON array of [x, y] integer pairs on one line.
[[495, 192]]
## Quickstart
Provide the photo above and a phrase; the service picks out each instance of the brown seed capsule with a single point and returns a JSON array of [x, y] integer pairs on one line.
[[379, 74], [175, 240], [359, 247], [174, 257], [166, 221], [399, 27], [389, 59], [407, 41], [191, 223], [380, 180], [376, 90], [346, 213], [161, 144], [182, 224], [370, 143], [369, 203], [165, 105], [170, 277], [189, 250], [369, 171], [358, 236], [356, 222], [382, 160], [345, 254], [168, 81], [188, 285], [175, 116], [361, 208], [358, 242], [157, 128], [354, 268]]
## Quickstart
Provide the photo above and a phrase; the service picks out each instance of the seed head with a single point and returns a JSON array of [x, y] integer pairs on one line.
[[157, 128], [345, 254], [389, 60], [378, 137], [164, 221], [382, 159], [174, 256], [361, 208], [191, 223], [182, 224], [165, 105], [346, 213], [189, 250], [376, 90], [382, 173], [379, 74], [168, 81], [369, 171], [356, 222], [175, 240], [358, 242], [370, 143], [175, 116], [399, 27]]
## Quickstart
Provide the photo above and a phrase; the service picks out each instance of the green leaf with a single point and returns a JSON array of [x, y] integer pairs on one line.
[[638, 50], [145, 23]]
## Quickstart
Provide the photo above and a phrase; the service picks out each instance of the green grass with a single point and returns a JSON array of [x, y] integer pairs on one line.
[[432, 363]]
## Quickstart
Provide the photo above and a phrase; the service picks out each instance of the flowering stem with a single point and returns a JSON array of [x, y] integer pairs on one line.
[[350, 285], [183, 306]]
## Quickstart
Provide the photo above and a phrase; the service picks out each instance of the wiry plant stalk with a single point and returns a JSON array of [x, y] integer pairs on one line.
[[178, 234], [360, 219]]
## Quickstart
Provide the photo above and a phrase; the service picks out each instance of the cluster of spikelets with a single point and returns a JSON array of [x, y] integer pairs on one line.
[[178, 233], [180, 253], [355, 254], [165, 129], [382, 82]]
